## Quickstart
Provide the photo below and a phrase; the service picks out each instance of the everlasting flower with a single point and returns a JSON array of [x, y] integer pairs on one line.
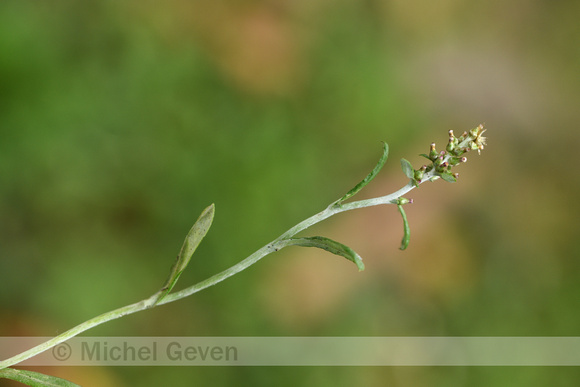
[[443, 161], [478, 141]]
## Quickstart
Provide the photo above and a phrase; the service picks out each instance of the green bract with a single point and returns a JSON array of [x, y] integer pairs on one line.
[[407, 169]]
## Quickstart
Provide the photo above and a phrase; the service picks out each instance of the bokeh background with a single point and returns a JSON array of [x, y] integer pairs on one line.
[[121, 121]]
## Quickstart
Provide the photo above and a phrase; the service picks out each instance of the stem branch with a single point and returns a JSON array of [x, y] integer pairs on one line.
[[150, 302]]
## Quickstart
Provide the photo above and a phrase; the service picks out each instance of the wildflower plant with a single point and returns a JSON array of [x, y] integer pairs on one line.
[[440, 165]]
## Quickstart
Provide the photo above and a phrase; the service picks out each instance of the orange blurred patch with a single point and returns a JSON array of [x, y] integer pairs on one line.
[[307, 286], [259, 51], [256, 46]]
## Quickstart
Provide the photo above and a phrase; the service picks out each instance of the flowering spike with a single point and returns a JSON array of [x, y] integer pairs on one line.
[[445, 160]]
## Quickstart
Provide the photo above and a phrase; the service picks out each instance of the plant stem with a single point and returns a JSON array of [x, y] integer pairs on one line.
[[279, 242], [95, 321], [275, 245]]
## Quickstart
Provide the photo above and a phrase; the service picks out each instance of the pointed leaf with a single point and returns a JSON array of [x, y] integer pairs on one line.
[[329, 245], [447, 176], [369, 177], [406, 229], [192, 240], [35, 379], [407, 169]]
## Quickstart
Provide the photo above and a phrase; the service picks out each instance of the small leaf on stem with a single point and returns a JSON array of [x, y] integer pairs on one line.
[[192, 240], [35, 379], [407, 169], [329, 245], [369, 177]]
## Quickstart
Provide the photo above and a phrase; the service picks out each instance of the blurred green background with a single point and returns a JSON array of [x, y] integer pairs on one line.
[[121, 121]]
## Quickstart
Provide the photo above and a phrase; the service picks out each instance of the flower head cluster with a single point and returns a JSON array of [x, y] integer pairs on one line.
[[442, 162]]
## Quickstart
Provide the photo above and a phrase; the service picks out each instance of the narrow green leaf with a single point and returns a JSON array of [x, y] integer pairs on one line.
[[426, 156], [407, 168], [34, 379], [369, 177], [406, 228], [447, 176], [192, 240], [329, 245]]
